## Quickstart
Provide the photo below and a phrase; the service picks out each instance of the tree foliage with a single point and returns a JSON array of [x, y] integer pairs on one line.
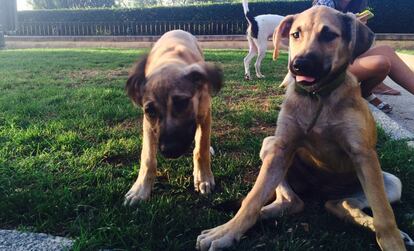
[[70, 4], [148, 3], [79, 4]]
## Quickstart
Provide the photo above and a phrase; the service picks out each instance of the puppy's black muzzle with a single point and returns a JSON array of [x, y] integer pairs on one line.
[[176, 141], [309, 65]]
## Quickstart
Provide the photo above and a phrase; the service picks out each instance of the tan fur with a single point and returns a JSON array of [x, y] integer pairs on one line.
[[176, 46], [168, 70], [341, 144]]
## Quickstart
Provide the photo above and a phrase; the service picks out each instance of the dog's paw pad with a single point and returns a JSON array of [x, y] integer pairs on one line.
[[205, 188], [203, 181], [217, 238], [135, 195]]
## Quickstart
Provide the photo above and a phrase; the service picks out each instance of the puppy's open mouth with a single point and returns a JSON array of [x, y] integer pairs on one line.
[[305, 80]]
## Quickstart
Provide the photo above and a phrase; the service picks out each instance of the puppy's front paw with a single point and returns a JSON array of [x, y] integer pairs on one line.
[[203, 182], [217, 238], [138, 192]]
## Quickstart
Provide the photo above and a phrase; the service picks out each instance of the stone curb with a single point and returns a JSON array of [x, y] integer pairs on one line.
[[23, 241], [392, 128]]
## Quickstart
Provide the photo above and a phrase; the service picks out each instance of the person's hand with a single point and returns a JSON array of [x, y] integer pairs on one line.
[[364, 16], [363, 19]]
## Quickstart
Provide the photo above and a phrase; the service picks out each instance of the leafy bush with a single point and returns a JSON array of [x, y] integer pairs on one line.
[[190, 13], [390, 16]]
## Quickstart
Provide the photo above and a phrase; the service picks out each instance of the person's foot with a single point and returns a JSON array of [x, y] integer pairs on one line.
[[384, 89], [375, 101]]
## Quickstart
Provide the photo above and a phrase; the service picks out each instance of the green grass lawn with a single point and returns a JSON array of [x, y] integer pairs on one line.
[[411, 52], [69, 150]]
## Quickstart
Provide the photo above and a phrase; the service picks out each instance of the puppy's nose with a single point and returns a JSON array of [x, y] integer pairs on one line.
[[302, 65]]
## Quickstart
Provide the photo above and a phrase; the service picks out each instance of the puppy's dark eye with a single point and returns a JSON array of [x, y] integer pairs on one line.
[[181, 103], [328, 36], [295, 35], [151, 111]]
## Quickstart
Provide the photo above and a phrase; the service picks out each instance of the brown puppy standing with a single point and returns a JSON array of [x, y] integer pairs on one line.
[[174, 85], [325, 137]]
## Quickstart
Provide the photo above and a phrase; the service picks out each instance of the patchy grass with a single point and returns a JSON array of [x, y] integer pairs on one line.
[[411, 52], [70, 141]]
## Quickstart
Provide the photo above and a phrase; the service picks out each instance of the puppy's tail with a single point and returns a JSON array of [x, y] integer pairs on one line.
[[247, 14], [253, 28], [245, 7]]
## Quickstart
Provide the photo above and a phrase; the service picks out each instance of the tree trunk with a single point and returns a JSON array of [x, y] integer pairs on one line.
[[8, 15], [2, 40]]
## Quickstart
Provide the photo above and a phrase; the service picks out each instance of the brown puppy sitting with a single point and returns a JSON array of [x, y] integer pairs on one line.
[[174, 85], [325, 137]]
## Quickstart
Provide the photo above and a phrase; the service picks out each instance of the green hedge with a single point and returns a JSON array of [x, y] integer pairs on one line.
[[191, 13], [394, 16], [390, 16]]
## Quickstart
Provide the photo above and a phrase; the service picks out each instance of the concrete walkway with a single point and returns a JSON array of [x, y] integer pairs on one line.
[[22, 241], [403, 106]]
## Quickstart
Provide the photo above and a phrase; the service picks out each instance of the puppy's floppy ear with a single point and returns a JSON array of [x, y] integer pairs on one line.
[[136, 82], [208, 73], [358, 36], [281, 31]]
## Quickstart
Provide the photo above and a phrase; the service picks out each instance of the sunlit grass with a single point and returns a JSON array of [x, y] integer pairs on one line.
[[70, 141]]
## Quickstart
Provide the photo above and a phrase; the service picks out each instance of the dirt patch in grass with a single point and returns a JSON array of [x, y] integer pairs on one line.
[[252, 94], [83, 76], [118, 161], [93, 73], [250, 175], [263, 129], [129, 124], [223, 129]]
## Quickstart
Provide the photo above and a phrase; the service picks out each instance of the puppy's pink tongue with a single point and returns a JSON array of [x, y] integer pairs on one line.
[[305, 79]]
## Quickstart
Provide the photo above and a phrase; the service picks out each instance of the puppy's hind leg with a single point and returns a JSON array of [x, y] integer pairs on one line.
[[261, 44], [287, 201], [252, 53], [203, 177], [351, 208], [142, 187]]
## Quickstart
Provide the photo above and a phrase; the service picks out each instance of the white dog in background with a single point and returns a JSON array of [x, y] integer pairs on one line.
[[260, 28]]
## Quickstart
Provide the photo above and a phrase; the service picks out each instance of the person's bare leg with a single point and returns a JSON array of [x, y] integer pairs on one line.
[[370, 70], [363, 68], [384, 89], [399, 72]]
